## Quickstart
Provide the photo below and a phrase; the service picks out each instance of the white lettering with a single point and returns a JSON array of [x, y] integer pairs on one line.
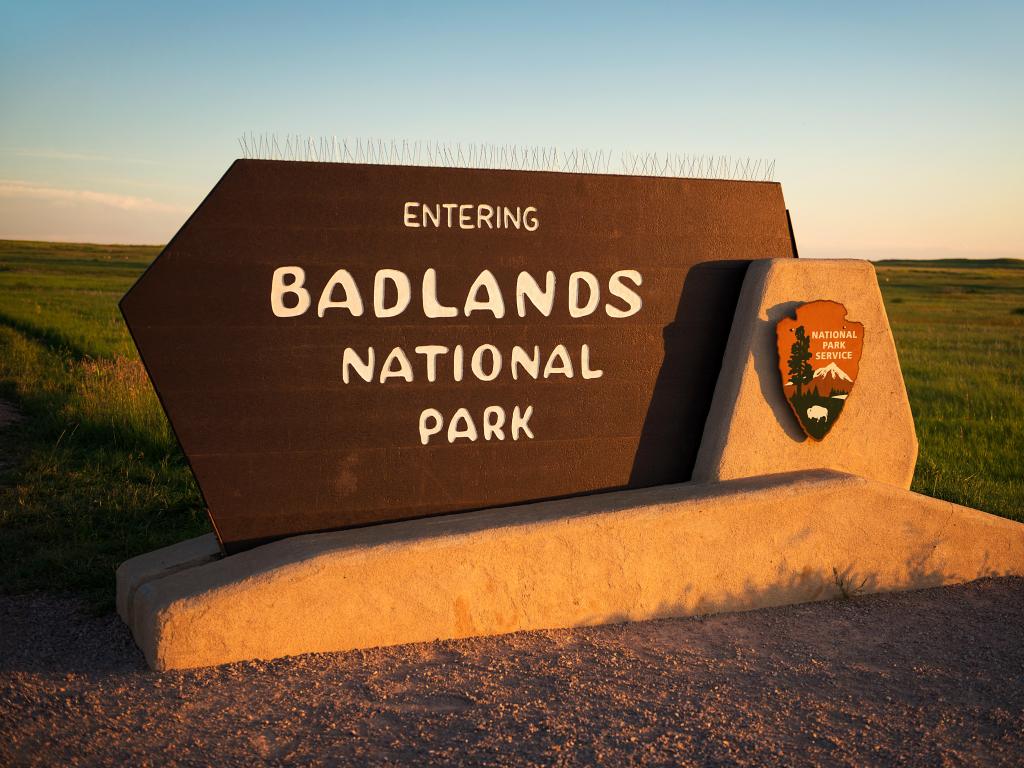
[[278, 289], [468, 432], [529, 364], [585, 370], [350, 359], [410, 217], [431, 306], [430, 424], [527, 288], [562, 354], [450, 207], [575, 308], [431, 352], [493, 303], [396, 365], [494, 419], [470, 216], [353, 302], [530, 220], [402, 287], [507, 216], [457, 363], [477, 365], [628, 295], [521, 422]]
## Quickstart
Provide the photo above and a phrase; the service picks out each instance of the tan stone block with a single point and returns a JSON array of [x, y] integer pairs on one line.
[[133, 573], [751, 429], [666, 551]]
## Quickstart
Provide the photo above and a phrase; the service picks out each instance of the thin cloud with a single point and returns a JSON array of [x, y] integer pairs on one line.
[[56, 154], [14, 189]]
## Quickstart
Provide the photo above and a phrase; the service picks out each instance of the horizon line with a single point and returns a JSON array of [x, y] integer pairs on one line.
[[962, 254]]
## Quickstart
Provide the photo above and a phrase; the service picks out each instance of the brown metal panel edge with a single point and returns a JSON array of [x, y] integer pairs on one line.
[[142, 357]]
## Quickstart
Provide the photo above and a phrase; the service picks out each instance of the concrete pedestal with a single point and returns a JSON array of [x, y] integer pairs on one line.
[[667, 551], [751, 429]]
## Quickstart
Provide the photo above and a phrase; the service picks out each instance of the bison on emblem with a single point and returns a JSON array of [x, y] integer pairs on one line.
[[817, 413]]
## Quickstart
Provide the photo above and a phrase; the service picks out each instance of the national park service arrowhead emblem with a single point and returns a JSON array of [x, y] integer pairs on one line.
[[819, 356]]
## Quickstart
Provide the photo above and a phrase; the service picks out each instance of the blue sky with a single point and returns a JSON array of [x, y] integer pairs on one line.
[[896, 128]]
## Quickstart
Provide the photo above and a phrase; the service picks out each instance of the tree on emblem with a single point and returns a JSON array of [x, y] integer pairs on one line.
[[800, 371]]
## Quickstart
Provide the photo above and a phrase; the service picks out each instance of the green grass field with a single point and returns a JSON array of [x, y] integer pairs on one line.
[[93, 475], [959, 328]]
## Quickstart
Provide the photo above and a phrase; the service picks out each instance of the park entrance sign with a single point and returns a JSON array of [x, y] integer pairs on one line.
[[340, 344]]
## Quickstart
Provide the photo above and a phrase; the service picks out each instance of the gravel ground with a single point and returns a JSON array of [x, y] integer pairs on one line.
[[934, 677]]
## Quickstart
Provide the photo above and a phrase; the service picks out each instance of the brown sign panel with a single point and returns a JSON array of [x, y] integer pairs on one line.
[[337, 344], [819, 357]]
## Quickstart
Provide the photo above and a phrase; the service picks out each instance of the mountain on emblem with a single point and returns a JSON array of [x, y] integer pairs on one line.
[[831, 371], [819, 356]]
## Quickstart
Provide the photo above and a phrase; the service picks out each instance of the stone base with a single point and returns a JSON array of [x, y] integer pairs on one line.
[[658, 552], [751, 430]]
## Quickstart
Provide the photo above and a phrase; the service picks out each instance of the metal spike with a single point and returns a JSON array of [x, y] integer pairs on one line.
[[309, 148]]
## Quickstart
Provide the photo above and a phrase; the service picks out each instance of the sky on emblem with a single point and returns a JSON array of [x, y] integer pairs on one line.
[[896, 128]]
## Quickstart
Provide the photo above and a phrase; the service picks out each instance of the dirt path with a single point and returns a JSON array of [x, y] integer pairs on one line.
[[926, 678]]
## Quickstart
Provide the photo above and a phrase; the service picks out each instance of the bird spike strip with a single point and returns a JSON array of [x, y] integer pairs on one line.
[[515, 157]]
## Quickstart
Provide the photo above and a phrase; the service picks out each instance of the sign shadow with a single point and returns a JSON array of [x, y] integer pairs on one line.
[[766, 366], [694, 343]]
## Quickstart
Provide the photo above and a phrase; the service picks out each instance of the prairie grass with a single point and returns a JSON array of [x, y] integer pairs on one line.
[[93, 475], [961, 346]]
